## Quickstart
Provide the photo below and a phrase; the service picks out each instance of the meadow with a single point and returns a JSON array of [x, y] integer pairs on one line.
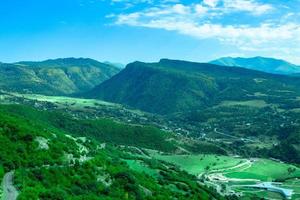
[[236, 172]]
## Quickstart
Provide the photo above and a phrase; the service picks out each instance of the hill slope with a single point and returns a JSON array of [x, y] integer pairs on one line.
[[46, 162], [269, 65], [172, 86], [54, 77]]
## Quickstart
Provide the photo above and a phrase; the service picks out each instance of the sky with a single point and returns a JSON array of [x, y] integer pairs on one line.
[[147, 30]]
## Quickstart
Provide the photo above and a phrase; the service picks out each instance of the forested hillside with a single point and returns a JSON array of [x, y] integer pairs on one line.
[[55, 77], [49, 161], [178, 86]]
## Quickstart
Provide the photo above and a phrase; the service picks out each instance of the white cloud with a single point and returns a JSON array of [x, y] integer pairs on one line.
[[206, 21], [180, 9], [238, 34], [220, 6], [200, 9], [247, 6], [211, 3], [185, 20]]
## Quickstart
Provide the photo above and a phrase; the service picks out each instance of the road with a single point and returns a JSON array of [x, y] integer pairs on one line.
[[9, 190], [234, 137], [287, 193]]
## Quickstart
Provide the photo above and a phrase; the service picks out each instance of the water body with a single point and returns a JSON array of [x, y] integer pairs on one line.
[[270, 186]]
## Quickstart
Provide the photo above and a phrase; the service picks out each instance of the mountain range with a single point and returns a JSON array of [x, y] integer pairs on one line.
[[171, 132], [171, 86], [55, 77], [269, 65]]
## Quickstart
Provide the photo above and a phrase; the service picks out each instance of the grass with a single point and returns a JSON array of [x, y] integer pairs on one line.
[[297, 110], [196, 164], [295, 185], [70, 102], [261, 194], [139, 166], [66, 100], [262, 169], [251, 103], [265, 170]]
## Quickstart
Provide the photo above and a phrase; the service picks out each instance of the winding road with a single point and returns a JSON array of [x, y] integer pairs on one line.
[[232, 136], [9, 190]]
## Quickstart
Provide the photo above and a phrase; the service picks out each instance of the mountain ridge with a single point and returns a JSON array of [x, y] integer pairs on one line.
[[62, 76], [171, 86], [269, 65]]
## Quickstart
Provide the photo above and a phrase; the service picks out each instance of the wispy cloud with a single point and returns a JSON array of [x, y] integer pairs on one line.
[[250, 6], [209, 19], [211, 3]]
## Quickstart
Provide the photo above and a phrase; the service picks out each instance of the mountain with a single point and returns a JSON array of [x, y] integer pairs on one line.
[[55, 77], [269, 65], [171, 86]]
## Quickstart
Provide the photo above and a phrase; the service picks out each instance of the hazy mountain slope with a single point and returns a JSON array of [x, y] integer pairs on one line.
[[269, 65], [55, 77], [175, 86]]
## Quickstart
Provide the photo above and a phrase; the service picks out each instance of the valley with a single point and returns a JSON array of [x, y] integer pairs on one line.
[[150, 100], [233, 176], [241, 145], [227, 174]]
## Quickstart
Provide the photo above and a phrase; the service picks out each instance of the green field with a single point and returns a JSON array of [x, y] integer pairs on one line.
[[139, 166], [261, 194], [265, 170], [261, 169], [65, 100], [71, 103], [236, 172], [251, 103], [196, 164], [295, 185]]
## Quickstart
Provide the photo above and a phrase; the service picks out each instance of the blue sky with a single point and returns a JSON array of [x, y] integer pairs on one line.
[[147, 30]]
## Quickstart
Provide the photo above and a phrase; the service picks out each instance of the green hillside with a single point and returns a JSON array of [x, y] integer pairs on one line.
[[269, 65], [55, 77], [172, 86], [49, 161], [102, 130]]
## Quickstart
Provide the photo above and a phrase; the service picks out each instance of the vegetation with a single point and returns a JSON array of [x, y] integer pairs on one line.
[[196, 164], [54, 77], [171, 86], [104, 178], [269, 65], [249, 108], [51, 164], [20, 148], [212, 132], [102, 130], [260, 170]]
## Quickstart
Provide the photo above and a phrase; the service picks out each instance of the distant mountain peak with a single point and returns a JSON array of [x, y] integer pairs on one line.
[[62, 61], [265, 64]]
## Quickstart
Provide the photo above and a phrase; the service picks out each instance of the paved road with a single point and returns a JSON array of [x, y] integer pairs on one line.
[[216, 131], [287, 193], [9, 190], [246, 139]]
